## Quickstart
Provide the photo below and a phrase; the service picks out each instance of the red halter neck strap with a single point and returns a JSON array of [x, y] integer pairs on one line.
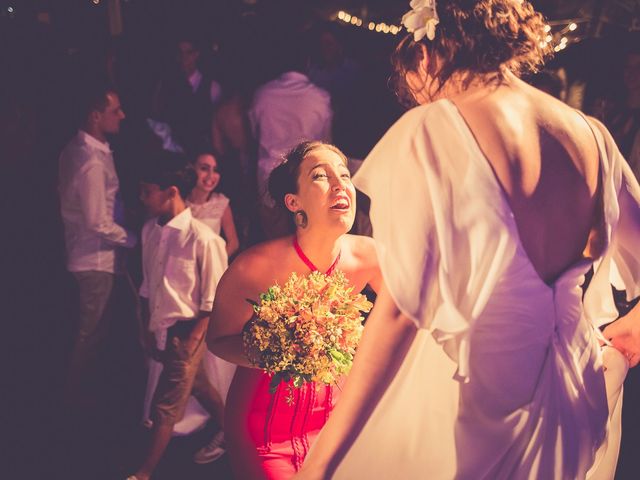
[[308, 262]]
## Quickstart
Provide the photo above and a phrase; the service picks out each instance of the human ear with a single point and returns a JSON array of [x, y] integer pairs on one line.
[[94, 117], [292, 202], [417, 79], [173, 191]]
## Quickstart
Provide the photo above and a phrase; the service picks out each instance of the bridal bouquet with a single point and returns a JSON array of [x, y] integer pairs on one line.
[[306, 330]]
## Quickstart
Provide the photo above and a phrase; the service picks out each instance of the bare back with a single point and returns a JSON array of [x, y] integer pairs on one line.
[[546, 159]]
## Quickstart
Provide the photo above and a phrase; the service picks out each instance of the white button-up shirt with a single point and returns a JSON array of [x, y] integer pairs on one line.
[[284, 112], [182, 262], [90, 206]]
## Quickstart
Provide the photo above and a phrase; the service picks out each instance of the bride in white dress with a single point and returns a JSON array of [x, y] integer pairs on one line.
[[489, 203]]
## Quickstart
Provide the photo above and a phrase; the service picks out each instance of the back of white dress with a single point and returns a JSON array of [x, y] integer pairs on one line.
[[505, 377]]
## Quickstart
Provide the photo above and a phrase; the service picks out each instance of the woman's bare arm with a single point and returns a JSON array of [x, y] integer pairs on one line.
[[229, 230], [231, 311], [384, 345]]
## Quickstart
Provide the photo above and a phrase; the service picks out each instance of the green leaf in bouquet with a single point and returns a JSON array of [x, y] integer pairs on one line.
[[298, 381], [268, 296], [255, 305], [339, 357], [275, 381], [251, 302]]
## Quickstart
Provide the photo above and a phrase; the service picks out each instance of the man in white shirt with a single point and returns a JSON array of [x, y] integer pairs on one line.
[[286, 111], [92, 215]]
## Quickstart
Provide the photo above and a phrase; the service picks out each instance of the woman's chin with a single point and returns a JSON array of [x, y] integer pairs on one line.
[[345, 222]]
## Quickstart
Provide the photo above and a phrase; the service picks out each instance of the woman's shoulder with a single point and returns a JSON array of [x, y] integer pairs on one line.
[[364, 260], [422, 113], [217, 199], [361, 248], [432, 121], [262, 258]]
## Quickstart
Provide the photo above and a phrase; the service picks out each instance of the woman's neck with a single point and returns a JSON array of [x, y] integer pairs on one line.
[[198, 196], [319, 247], [461, 83]]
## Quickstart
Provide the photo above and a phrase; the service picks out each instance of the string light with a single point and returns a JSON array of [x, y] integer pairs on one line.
[[560, 31], [356, 21]]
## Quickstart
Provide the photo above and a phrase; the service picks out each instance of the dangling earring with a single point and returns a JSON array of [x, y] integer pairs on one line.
[[300, 219]]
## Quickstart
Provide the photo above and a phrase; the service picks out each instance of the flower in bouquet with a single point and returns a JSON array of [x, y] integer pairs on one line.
[[306, 330]]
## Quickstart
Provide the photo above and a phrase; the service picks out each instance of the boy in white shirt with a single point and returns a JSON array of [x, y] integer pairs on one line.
[[182, 261]]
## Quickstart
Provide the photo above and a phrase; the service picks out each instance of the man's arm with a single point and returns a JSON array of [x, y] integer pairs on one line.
[[92, 191]]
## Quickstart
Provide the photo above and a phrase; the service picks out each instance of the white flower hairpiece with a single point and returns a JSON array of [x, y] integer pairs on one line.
[[422, 19]]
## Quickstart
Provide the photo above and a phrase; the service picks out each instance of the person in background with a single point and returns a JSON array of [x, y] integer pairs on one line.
[[210, 206], [93, 217], [182, 260], [284, 112], [186, 97]]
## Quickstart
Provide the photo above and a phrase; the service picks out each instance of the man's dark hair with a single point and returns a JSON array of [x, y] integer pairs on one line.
[[93, 97], [168, 169]]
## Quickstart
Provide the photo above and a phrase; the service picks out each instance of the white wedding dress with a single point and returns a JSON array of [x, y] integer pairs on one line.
[[505, 378]]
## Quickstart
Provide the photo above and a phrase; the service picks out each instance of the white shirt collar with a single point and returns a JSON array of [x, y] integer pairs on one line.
[[93, 141], [194, 80], [294, 76]]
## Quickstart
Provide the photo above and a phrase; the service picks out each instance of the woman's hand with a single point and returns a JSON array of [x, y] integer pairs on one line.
[[624, 334]]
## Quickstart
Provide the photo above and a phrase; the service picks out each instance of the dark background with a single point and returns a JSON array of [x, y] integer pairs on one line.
[[46, 48]]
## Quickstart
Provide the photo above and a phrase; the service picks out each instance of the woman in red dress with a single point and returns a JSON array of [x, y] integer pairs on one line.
[[268, 435]]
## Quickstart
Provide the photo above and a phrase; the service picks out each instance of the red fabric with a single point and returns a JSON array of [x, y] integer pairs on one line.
[[269, 436], [280, 432], [309, 263]]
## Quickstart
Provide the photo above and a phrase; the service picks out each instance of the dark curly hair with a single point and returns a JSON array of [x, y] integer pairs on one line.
[[168, 169], [284, 178], [476, 37]]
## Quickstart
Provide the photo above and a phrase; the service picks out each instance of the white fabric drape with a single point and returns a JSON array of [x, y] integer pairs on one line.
[[505, 378]]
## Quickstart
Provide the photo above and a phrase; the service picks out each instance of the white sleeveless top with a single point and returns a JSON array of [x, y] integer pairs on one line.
[[211, 211]]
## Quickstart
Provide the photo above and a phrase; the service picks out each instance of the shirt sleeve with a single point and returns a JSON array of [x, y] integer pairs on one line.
[[91, 188], [254, 114], [621, 194], [215, 92], [327, 128], [626, 253], [144, 286], [212, 264]]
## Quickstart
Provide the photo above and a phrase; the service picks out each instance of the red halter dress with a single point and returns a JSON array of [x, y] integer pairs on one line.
[[269, 435]]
